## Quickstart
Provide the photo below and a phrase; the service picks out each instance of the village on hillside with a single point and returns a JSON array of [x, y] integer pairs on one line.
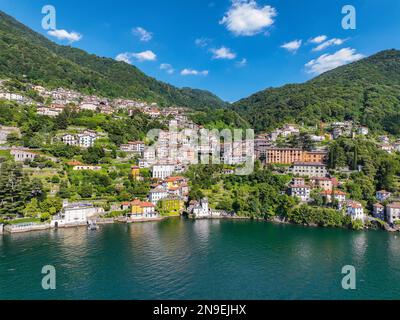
[[90, 176]]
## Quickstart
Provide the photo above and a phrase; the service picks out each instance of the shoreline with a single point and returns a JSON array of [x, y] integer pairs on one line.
[[107, 221]]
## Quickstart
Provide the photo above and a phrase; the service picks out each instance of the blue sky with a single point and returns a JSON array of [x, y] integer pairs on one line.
[[240, 48]]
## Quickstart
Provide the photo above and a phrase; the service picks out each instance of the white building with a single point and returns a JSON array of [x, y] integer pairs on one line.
[[133, 146], [393, 212], [69, 139], [355, 210], [158, 194], [162, 171], [88, 106], [201, 210], [86, 140], [50, 112], [301, 191], [20, 154], [362, 130], [310, 169], [74, 214], [86, 168]]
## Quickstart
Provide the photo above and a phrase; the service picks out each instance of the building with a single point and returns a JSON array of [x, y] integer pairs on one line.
[[393, 213], [379, 211], [162, 171], [86, 140], [336, 195], [86, 168], [386, 147], [283, 155], [141, 210], [302, 192], [75, 214], [172, 205], [21, 154], [135, 171], [69, 139], [292, 155], [315, 156], [355, 210], [383, 195], [133, 146], [362, 130], [158, 194], [201, 210], [310, 169], [50, 112], [324, 183], [298, 182]]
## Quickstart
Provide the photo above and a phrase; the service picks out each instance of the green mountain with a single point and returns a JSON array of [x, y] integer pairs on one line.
[[27, 55], [367, 91]]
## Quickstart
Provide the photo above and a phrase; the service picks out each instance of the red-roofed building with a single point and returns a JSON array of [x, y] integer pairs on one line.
[[355, 210], [143, 210]]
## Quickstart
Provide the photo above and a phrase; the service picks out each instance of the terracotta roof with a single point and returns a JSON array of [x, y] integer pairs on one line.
[[330, 192], [394, 205], [74, 163], [378, 205]]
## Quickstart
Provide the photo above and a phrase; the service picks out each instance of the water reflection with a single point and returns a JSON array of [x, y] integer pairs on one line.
[[359, 245]]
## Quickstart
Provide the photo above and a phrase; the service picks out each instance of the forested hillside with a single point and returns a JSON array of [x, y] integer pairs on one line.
[[367, 91], [27, 55]]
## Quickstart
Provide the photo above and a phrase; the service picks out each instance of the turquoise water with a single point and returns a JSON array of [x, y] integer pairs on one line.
[[182, 259]]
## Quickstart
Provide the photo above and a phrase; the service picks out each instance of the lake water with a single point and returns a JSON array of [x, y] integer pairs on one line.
[[207, 259]]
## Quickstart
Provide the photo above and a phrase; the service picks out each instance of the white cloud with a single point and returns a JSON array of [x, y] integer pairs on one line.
[[167, 67], [125, 57], [143, 34], [331, 42], [292, 46], [242, 63], [318, 39], [223, 53], [246, 18], [128, 57], [65, 35], [202, 42], [191, 72], [328, 62]]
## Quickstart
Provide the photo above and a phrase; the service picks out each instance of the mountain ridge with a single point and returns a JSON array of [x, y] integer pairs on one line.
[[26, 52], [367, 91]]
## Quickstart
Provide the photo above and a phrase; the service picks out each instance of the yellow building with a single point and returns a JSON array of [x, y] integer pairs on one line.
[[171, 205], [135, 171]]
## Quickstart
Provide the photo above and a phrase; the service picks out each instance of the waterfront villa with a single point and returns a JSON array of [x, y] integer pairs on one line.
[[75, 214], [393, 212], [201, 210], [355, 210], [141, 211]]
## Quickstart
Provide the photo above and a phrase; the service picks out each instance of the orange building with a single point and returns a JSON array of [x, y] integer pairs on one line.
[[292, 155], [284, 155]]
